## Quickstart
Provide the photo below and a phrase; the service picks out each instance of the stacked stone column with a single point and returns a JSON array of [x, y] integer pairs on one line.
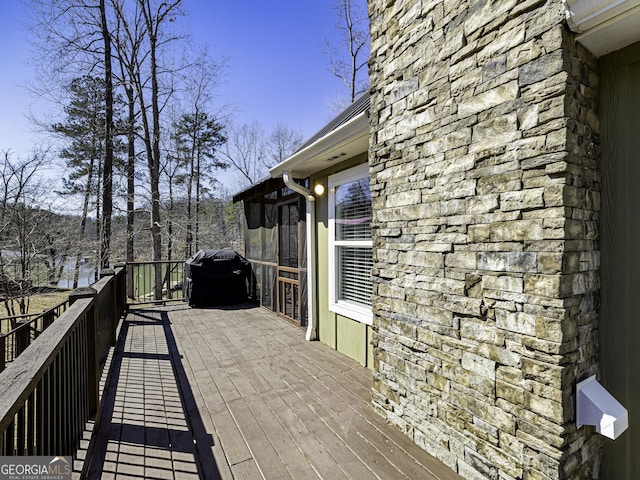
[[486, 191]]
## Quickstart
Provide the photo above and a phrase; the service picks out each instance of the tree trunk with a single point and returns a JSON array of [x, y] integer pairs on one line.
[[154, 161], [83, 224], [131, 172], [98, 221], [107, 187], [167, 277], [189, 239], [197, 216]]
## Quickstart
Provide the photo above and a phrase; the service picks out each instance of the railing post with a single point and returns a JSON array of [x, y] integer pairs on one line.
[[121, 288], [48, 316], [93, 347], [22, 336], [113, 306], [129, 281], [3, 351]]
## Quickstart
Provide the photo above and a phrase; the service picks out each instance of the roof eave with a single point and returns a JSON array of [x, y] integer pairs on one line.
[[346, 141], [604, 26]]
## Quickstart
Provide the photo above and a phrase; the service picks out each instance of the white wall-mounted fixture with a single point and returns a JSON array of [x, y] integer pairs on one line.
[[595, 406], [319, 189]]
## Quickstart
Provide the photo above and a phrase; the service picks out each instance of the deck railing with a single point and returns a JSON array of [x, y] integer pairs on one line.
[[22, 330], [50, 392], [153, 282]]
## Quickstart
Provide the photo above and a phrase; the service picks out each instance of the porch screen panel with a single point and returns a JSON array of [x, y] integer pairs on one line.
[[288, 235], [257, 272], [253, 235], [269, 250], [269, 287], [269, 232]]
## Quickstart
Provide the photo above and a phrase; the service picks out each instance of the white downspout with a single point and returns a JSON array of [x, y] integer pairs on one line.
[[311, 248]]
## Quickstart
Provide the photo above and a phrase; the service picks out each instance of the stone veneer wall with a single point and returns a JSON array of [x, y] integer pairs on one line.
[[486, 192]]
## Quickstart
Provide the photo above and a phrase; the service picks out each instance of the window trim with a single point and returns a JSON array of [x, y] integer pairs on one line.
[[349, 309]]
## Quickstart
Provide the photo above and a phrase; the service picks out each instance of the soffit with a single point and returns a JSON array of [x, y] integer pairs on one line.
[[604, 26], [346, 141]]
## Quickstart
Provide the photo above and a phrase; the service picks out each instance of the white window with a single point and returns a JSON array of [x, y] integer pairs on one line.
[[350, 244]]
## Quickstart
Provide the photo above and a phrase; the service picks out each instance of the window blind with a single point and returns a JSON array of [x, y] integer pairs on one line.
[[353, 211], [355, 274]]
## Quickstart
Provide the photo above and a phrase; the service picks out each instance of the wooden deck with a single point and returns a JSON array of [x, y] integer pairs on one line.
[[239, 394]]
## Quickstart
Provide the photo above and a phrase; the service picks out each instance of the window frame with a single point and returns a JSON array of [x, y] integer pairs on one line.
[[355, 311]]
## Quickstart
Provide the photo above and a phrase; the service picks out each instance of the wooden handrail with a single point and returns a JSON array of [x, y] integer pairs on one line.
[[52, 389], [19, 379]]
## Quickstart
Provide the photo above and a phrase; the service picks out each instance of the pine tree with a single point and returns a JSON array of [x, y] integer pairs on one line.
[[84, 154], [197, 137]]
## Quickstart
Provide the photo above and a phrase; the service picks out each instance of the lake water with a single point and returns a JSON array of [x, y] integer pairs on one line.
[[86, 278]]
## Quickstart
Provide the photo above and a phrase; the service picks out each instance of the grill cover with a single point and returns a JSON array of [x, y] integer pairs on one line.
[[216, 278]]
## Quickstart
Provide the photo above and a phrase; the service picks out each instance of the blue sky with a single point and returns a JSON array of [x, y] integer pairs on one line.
[[278, 71]]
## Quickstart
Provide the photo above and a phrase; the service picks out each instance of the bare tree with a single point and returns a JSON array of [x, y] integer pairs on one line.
[[107, 179], [20, 238], [72, 36], [245, 151], [145, 29], [57, 233], [129, 40], [251, 153], [348, 50], [283, 141], [155, 18], [171, 169]]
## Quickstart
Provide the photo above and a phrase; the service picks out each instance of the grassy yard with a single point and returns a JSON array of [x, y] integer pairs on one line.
[[40, 302]]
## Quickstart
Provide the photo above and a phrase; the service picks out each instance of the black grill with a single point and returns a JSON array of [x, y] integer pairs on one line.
[[216, 278]]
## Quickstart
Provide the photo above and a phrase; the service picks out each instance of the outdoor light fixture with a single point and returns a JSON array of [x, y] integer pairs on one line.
[[319, 189]]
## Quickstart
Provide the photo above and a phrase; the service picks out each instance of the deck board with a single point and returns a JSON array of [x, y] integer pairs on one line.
[[238, 393]]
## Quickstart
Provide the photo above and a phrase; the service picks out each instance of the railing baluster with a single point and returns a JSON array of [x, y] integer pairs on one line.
[[40, 417], [10, 438], [71, 400], [55, 397], [31, 418], [74, 425], [64, 410], [20, 431], [50, 431], [82, 377], [76, 418]]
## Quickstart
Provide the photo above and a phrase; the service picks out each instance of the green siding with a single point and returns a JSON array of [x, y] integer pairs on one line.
[[620, 237], [326, 319], [343, 334], [352, 339], [369, 347]]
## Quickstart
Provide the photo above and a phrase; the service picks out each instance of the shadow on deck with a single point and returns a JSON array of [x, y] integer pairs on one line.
[[238, 393]]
